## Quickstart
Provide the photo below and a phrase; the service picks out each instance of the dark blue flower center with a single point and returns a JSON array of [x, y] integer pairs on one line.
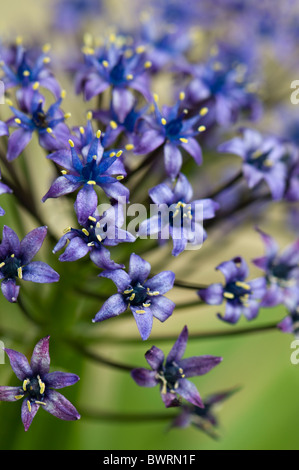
[[40, 119], [136, 295], [237, 291], [173, 128], [34, 388], [10, 267], [169, 376], [117, 74], [260, 160], [282, 271]]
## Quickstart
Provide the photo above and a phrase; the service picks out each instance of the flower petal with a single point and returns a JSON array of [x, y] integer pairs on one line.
[[40, 359], [26, 415], [201, 365], [19, 364], [17, 142], [189, 391], [155, 357], [112, 307], [9, 393], [144, 321], [10, 290], [59, 406], [144, 377], [179, 347], [40, 272], [60, 379], [139, 269], [161, 282], [32, 243]]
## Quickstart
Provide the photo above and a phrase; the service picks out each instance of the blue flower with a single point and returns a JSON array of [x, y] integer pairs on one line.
[[172, 374], [93, 168], [171, 129], [16, 261], [177, 215], [144, 297], [39, 386], [241, 297]]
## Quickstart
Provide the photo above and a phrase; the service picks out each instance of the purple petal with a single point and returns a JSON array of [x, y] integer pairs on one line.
[[161, 282], [232, 313], [286, 326], [86, 203], [10, 290], [10, 242], [60, 187], [172, 160], [170, 399], [161, 307], [122, 101], [235, 269], [189, 391], [139, 269], [270, 244], [9, 393], [200, 365], [144, 321], [144, 377], [94, 86], [60, 379], [149, 142], [155, 357], [76, 249], [116, 191], [112, 307], [17, 142], [161, 194], [212, 295], [32, 243], [179, 347], [101, 258], [40, 359], [194, 149], [120, 278], [40, 272], [59, 406], [19, 364], [3, 129], [26, 415]]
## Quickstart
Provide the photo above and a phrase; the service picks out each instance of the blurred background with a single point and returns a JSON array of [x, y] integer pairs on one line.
[[263, 413]]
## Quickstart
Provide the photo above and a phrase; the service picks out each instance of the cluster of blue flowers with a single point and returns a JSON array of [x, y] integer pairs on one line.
[[215, 105]]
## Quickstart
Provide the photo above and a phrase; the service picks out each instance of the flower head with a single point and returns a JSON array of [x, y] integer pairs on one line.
[[173, 129], [178, 216], [49, 125], [172, 374], [262, 160], [95, 235], [38, 388], [241, 297], [281, 272], [93, 168], [144, 297], [16, 261]]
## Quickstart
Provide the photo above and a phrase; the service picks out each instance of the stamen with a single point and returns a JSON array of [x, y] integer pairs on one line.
[[113, 124], [29, 406], [228, 295], [140, 311], [163, 121], [182, 96], [85, 232], [129, 147], [147, 64], [201, 128], [93, 219], [71, 143], [184, 140], [20, 274], [244, 285], [25, 383], [91, 182]]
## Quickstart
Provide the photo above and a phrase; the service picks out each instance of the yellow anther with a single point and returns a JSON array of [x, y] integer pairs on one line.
[[93, 219], [18, 121], [67, 115], [105, 63], [94, 157], [71, 143], [98, 134], [156, 97], [82, 130], [184, 140], [46, 60], [89, 115], [85, 232], [146, 305], [217, 66], [119, 153], [18, 397], [129, 76], [201, 128], [26, 73], [99, 238], [2, 264], [46, 48], [35, 86], [120, 177], [113, 124], [128, 291], [140, 311], [63, 94], [91, 182], [163, 121], [228, 295], [9, 102], [29, 406], [129, 147], [147, 64], [112, 154], [25, 383], [41, 385], [12, 256], [140, 49], [67, 229], [182, 96], [268, 163], [49, 130], [63, 172], [19, 40], [244, 285], [132, 296], [204, 111], [87, 50], [20, 273]]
